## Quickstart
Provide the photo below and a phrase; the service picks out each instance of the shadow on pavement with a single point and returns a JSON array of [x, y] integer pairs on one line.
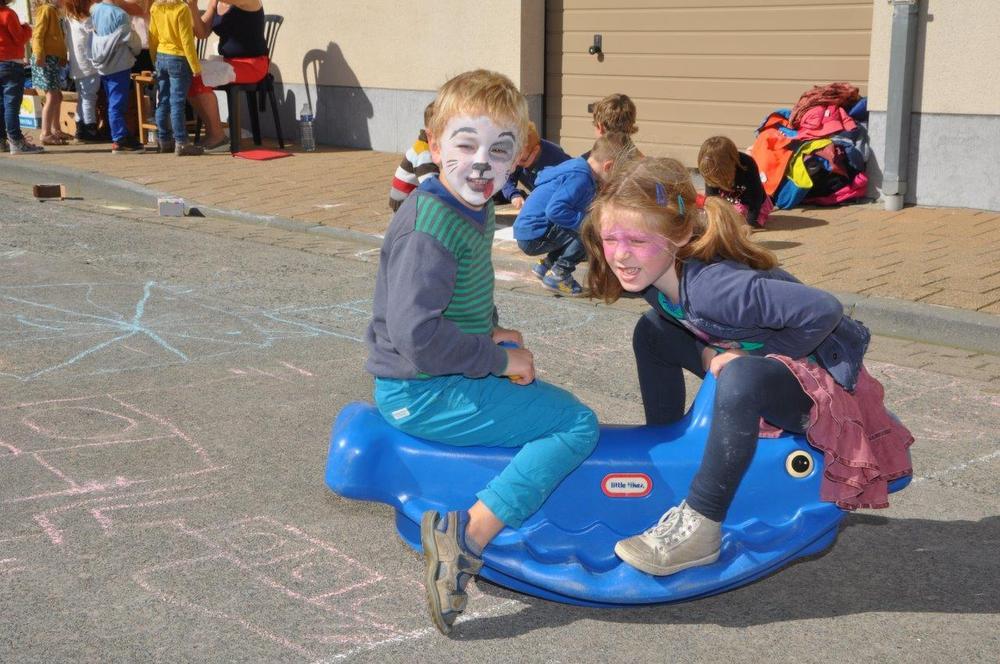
[[878, 564], [778, 245], [779, 221]]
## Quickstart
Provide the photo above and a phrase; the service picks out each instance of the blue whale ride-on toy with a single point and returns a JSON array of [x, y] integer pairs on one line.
[[565, 551]]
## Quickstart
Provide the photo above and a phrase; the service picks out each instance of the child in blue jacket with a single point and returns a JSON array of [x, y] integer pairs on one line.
[[549, 221]]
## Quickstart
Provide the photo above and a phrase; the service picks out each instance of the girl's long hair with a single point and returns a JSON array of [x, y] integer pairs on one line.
[[718, 160], [654, 186]]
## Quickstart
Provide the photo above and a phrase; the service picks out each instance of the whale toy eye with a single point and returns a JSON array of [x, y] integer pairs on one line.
[[799, 464]]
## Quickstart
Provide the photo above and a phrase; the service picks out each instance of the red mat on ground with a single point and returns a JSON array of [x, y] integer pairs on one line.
[[262, 155]]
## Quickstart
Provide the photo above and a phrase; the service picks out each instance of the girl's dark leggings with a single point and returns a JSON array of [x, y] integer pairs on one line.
[[748, 388]]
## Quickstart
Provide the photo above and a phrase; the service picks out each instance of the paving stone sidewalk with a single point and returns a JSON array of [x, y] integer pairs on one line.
[[939, 256]]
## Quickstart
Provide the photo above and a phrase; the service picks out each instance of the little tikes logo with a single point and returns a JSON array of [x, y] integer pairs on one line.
[[626, 485]]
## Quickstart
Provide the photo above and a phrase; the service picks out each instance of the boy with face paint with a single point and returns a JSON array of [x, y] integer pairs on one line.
[[549, 222], [433, 339]]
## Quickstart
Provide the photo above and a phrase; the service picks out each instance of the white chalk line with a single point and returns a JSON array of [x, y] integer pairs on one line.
[[957, 467]]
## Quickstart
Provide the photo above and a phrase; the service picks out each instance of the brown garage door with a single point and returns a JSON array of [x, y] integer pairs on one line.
[[696, 68]]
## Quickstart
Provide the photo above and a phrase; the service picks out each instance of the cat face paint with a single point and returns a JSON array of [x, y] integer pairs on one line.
[[475, 155]]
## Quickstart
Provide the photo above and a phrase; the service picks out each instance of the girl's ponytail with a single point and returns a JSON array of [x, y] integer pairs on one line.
[[723, 233]]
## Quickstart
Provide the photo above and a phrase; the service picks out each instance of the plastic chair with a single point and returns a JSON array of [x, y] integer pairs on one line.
[[272, 24]]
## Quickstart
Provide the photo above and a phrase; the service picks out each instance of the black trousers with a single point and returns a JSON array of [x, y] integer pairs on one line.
[[748, 388]]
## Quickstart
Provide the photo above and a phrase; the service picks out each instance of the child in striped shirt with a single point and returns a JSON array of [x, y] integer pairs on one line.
[[433, 341], [416, 166]]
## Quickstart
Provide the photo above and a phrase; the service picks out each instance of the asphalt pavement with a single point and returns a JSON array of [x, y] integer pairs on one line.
[[166, 392]]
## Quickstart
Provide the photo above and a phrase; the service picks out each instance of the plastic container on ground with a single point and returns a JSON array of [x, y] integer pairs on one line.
[[307, 138]]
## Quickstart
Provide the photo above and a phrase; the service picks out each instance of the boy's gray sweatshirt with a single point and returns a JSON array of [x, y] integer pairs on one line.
[[114, 45], [408, 336]]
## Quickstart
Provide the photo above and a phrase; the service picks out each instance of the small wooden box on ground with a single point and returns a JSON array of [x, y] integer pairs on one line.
[[45, 191]]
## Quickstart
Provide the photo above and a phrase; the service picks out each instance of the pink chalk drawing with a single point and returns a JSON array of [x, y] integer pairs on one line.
[[17, 554], [87, 459], [278, 570]]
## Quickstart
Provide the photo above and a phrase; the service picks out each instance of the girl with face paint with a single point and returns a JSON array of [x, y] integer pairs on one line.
[[720, 305]]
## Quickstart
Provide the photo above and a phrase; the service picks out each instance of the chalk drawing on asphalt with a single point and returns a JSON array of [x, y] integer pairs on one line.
[[84, 329], [280, 584]]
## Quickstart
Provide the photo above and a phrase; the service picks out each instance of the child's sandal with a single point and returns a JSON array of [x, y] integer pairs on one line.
[[51, 140], [449, 568]]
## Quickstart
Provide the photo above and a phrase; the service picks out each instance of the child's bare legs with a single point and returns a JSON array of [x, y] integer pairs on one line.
[[483, 525], [50, 115], [207, 107]]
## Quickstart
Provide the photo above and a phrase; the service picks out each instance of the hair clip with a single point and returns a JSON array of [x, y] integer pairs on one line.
[[680, 204], [661, 195]]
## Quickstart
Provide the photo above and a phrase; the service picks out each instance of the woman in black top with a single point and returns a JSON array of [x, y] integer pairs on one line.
[[240, 27]]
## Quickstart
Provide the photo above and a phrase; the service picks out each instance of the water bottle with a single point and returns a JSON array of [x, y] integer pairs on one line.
[[307, 138]]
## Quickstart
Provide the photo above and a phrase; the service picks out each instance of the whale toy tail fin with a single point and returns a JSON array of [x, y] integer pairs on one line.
[[354, 470]]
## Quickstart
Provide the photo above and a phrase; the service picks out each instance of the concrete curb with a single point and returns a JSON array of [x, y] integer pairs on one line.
[[927, 323], [98, 185]]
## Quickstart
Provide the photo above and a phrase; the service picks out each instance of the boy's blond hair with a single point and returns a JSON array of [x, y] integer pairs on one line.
[[615, 113], [35, 4], [481, 92], [169, 2]]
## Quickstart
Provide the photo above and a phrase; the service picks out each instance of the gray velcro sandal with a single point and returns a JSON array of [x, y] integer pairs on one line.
[[450, 567]]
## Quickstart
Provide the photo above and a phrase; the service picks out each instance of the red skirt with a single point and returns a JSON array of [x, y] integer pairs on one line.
[[248, 70]]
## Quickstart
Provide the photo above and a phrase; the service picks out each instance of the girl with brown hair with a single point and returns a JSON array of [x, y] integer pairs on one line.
[[734, 175], [720, 305], [48, 54]]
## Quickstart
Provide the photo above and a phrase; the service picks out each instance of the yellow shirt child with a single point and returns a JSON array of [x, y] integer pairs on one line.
[[171, 32]]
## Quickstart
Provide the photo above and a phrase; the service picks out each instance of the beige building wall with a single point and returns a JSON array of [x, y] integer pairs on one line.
[[958, 51], [368, 68], [696, 69], [393, 44], [955, 105]]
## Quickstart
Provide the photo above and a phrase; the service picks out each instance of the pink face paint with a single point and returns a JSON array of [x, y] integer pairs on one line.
[[636, 256], [616, 241]]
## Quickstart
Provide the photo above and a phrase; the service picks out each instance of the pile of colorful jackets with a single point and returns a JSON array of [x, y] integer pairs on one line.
[[816, 152]]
